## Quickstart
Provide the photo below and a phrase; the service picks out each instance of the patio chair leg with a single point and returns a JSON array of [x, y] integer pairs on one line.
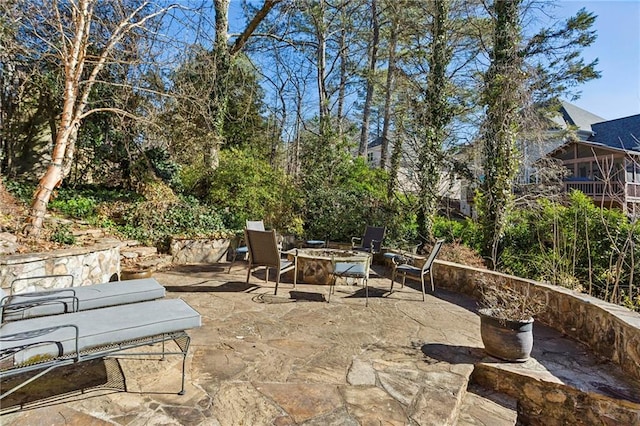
[[366, 292], [277, 282], [432, 287], [393, 277], [422, 279], [248, 273]]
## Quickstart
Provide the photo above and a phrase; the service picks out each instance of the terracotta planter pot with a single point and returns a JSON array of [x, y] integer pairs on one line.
[[507, 340], [135, 274]]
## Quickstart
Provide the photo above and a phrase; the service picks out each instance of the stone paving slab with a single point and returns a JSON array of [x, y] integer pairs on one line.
[[293, 359]]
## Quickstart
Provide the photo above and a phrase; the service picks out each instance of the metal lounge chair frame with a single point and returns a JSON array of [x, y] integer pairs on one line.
[[401, 266], [69, 338]]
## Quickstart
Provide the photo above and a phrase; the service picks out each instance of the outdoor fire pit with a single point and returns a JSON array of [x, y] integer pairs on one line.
[[314, 265]]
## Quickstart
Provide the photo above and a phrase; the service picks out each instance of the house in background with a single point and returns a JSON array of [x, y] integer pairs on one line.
[[602, 158], [569, 122], [447, 189], [606, 166]]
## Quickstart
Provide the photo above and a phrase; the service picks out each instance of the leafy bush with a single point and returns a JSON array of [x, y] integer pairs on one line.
[[79, 207], [578, 245], [62, 234], [247, 188], [23, 191], [453, 230], [163, 214]]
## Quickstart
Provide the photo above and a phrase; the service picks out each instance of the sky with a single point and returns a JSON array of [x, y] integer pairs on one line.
[[617, 93]]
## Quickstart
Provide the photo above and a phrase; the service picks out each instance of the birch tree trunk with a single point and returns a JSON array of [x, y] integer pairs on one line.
[[74, 30]]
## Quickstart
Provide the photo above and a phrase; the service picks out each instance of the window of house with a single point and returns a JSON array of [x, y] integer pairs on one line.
[[596, 173], [633, 171], [583, 170], [370, 158]]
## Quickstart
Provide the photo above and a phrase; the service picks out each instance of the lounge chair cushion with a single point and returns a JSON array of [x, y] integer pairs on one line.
[[100, 327], [89, 297]]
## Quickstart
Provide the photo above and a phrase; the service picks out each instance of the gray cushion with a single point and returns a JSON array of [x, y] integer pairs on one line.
[[346, 269], [89, 297], [409, 269], [100, 327]]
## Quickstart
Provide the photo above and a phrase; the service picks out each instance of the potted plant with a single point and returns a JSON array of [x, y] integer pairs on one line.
[[506, 320]]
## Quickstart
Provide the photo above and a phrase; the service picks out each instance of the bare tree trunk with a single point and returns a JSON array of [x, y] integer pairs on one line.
[[343, 48], [388, 96], [366, 113]]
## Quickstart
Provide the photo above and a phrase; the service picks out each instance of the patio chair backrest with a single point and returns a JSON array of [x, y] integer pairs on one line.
[[373, 235], [256, 225], [263, 247], [434, 252]]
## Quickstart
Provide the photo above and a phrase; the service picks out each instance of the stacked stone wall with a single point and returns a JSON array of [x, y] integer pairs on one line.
[[87, 265], [187, 251], [611, 331]]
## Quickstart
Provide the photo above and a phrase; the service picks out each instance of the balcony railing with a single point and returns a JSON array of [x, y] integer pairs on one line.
[[600, 189]]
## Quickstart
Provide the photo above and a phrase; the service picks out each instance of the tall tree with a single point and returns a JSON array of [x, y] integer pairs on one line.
[[437, 117], [224, 54], [370, 87], [72, 27], [503, 86]]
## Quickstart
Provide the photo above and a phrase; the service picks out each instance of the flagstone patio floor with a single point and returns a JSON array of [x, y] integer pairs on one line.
[[294, 359]]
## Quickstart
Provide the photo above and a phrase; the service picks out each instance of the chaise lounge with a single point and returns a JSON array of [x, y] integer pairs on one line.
[[45, 343]]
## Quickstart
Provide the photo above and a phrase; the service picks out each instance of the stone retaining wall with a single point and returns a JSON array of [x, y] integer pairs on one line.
[[88, 265], [609, 330], [187, 251]]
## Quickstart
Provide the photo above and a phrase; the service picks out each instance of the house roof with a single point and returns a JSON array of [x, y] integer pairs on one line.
[[576, 116], [376, 142], [622, 133]]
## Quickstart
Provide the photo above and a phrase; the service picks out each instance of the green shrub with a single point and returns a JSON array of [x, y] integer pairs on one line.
[[578, 245], [79, 207], [162, 215], [244, 187], [23, 191], [62, 235]]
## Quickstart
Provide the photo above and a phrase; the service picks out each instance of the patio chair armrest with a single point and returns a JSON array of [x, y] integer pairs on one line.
[[354, 240], [31, 334], [376, 246], [400, 259]]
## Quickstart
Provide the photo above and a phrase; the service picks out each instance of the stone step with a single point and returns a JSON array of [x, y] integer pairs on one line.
[[481, 407], [88, 233], [563, 383], [156, 262], [136, 252]]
